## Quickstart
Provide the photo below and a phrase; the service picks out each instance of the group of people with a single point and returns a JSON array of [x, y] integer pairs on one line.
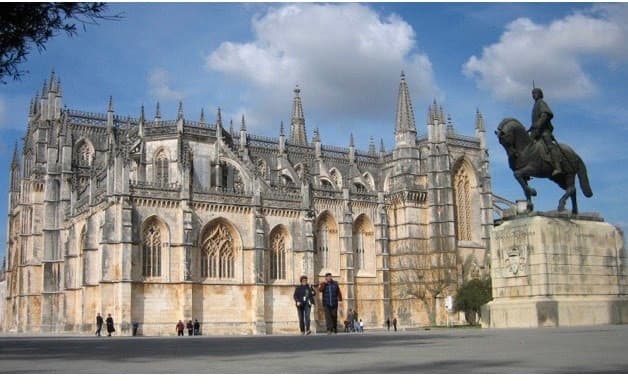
[[352, 323], [193, 328], [99, 323], [304, 297], [394, 323]]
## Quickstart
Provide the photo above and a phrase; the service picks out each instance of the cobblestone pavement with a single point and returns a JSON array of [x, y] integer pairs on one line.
[[601, 349]]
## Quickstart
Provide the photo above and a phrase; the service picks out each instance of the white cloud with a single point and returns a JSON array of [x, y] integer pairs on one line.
[[158, 84], [346, 59], [552, 55]]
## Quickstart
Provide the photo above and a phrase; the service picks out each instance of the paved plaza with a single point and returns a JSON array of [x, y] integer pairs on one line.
[[601, 349]]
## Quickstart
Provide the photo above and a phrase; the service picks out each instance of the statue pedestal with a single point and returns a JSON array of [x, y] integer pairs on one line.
[[551, 269]]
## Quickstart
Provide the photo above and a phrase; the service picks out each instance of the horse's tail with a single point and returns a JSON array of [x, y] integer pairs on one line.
[[584, 179]]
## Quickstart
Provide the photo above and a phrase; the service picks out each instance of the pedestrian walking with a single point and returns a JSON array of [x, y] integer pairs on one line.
[[395, 323], [331, 296], [361, 326], [190, 327], [304, 299], [99, 322], [351, 319], [388, 324], [197, 327], [110, 328], [180, 327]]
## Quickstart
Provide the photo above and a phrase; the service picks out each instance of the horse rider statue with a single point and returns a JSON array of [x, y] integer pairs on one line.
[[542, 128]]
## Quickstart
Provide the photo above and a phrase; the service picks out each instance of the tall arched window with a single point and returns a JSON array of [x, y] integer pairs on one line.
[[278, 254], [151, 251], [462, 193], [327, 255], [363, 245], [161, 168], [218, 253]]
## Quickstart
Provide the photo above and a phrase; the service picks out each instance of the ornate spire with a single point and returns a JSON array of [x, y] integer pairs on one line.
[[317, 136], [405, 128], [202, 119], [297, 125], [381, 145], [351, 143], [243, 125], [450, 125], [31, 108], [110, 107], [231, 126], [281, 132], [52, 85], [44, 90], [15, 162], [479, 120], [372, 148], [59, 92], [180, 110], [218, 119], [157, 112]]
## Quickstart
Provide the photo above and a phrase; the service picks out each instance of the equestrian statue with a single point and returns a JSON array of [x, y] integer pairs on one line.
[[536, 153]]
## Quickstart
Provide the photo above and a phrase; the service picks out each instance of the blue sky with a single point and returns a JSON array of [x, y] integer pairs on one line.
[[247, 58]]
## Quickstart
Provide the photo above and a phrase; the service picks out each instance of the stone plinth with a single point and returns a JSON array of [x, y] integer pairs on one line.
[[557, 270]]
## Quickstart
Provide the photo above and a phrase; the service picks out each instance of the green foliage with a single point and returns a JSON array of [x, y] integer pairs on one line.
[[471, 296], [23, 25]]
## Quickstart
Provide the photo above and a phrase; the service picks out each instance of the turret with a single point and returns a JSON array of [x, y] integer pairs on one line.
[[243, 135], [180, 118], [405, 128], [202, 119], [351, 148], [297, 124], [219, 128], [480, 130], [141, 122], [110, 114], [282, 140], [372, 148], [317, 143], [157, 114]]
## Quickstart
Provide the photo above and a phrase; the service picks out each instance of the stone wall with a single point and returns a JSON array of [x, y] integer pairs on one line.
[[557, 271]]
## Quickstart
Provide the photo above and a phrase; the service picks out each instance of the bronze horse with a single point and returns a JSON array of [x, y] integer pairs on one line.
[[527, 158]]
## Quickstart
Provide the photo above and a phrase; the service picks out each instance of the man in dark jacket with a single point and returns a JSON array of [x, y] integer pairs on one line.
[[99, 322], [331, 296], [304, 299], [110, 328], [197, 327]]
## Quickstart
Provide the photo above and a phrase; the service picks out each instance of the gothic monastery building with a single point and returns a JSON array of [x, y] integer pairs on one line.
[[156, 220]]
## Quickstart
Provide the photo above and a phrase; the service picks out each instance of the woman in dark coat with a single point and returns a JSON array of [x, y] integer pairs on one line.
[[110, 327]]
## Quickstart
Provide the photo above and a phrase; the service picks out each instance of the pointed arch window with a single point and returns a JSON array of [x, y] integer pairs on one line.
[[462, 192], [218, 253], [363, 245], [162, 164], [151, 251], [278, 253]]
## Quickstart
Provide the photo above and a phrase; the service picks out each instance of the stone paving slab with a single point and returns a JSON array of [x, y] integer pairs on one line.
[[600, 349]]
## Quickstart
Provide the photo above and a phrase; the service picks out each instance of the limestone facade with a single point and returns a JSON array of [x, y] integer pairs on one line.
[[159, 220]]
